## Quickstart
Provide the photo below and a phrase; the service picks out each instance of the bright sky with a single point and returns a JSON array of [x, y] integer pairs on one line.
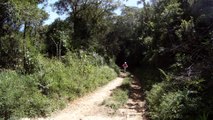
[[53, 15]]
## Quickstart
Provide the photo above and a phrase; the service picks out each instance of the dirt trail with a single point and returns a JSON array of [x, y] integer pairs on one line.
[[136, 105], [90, 108]]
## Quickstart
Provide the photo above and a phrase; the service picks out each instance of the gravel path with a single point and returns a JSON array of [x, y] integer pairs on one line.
[[79, 108], [89, 107]]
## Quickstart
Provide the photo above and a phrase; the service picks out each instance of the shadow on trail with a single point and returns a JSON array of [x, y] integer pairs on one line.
[[136, 100], [137, 96]]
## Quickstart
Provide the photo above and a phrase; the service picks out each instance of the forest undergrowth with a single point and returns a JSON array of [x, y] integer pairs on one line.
[[172, 97]]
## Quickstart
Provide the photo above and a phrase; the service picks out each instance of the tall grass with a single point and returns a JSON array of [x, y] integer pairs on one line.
[[52, 84]]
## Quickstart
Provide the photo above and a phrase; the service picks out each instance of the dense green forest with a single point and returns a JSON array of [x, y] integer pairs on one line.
[[168, 44]]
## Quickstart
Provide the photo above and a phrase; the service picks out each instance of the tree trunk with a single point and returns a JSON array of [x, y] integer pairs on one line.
[[24, 46], [59, 52]]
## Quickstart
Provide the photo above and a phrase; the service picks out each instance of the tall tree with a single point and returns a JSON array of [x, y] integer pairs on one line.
[[58, 38], [87, 18], [18, 16], [122, 37]]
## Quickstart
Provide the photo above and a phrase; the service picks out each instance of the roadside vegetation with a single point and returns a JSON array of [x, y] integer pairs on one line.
[[176, 65], [171, 97], [51, 85]]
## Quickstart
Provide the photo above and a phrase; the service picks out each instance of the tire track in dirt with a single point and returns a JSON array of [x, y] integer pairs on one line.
[[135, 108]]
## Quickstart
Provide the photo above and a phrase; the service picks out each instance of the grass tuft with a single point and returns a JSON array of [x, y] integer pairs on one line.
[[119, 96]]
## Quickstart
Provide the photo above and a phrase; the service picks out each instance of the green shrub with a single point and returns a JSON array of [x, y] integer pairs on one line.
[[51, 85], [10, 93], [154, 95], [31, 62], [171, 107], [114, 66], [19, 97], [74, 77], [170, 101], [171, 97]]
